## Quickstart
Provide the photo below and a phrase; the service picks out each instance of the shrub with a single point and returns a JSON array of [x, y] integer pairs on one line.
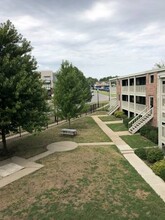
[[159, 168], [141, 152], [119, 114], [150, 132], [126, 122], [153, 135], [154, 155]]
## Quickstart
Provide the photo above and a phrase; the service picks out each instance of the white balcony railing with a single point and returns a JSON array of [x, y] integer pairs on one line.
[[163, 117], [163, 131], [131, 106], [136, 89], [113, 90], [163, 88], [131, 88], [140, 107], [125, 104], [125, 89], [141, 89]]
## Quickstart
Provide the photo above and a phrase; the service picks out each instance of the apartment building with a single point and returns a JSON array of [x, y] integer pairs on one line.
[[48, 78], [141, 96]]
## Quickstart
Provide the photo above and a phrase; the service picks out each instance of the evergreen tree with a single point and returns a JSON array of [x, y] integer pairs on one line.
[[22, 98], [71, 91]]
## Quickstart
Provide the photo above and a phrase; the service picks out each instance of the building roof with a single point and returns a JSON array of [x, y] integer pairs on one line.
[[139, 73]]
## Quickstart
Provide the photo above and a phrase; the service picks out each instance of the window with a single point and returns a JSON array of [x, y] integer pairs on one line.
[[151, 78], [140, 100], [131, 98], [124, 98]]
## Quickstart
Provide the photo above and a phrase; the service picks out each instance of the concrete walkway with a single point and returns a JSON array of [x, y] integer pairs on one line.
[[156, 183], [16, 167]]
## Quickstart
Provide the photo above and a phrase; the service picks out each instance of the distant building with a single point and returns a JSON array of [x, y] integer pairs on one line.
[[48, 77], [101, 86]]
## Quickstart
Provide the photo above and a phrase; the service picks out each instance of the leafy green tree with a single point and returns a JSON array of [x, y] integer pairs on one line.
[[71, 91], [22, 98], [106, 79], [92, 81]]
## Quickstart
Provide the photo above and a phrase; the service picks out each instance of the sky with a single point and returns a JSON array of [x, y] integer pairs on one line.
[[100, 37]]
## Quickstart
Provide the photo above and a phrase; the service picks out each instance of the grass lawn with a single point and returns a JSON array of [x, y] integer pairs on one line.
[[118, 127], [91, 182], [28, 146], [104, 92], [137, 141], [109, 118]]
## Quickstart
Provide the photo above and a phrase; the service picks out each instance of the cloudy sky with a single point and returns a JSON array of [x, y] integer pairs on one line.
[[102, 38]]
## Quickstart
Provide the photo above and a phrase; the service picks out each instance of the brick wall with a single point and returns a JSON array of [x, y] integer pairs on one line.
[[151, 90], [118, 88]]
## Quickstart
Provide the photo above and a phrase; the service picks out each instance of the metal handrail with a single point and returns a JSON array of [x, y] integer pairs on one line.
[[137, 116]]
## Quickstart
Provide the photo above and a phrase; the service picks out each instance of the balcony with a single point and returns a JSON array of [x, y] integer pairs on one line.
[[141, 89], [125, 105], [131, 88], [140, 107], [163, 131], [130, 107], [113, 90], [163, 88]]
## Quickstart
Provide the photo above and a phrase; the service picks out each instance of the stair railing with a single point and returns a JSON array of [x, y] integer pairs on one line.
[[137, 117]]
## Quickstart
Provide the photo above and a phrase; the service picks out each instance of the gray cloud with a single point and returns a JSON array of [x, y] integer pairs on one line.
[[101, 37]]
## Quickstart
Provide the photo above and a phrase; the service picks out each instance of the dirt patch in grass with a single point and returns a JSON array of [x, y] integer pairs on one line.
[[141, 194], [91, 182]]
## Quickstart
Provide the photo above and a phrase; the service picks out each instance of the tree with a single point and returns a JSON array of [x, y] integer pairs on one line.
[[160, 65], [106, 79], [91, 81], [71, 91], [22, 98]]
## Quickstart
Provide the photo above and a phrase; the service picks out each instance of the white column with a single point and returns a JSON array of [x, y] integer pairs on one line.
[[134, 95], [128, 97]]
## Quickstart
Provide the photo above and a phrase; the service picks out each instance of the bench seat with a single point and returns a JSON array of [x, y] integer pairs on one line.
[[67, 131]]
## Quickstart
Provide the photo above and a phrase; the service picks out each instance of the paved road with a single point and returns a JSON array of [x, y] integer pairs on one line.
[[98, 97]]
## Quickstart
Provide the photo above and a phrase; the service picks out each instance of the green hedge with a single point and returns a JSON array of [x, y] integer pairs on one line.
[[159, 168], [150, 132], [141, 152], [154, 155], [119, 114], [126, 121]]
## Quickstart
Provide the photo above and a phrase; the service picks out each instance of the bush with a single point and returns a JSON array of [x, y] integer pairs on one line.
[[159, 168], [141, 152], [119, 114], [126, 121], [150, 132], [154, 155]]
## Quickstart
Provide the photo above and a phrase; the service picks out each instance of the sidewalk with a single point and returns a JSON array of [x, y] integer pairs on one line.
[[156, 183]]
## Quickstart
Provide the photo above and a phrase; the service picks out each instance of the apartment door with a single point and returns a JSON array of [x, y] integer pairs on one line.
[[151, 101]]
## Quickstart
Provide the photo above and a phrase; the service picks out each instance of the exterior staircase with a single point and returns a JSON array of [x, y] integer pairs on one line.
[[140, 120], [113, 106]]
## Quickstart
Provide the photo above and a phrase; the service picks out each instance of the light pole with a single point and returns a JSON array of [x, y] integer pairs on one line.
[[98, 98]]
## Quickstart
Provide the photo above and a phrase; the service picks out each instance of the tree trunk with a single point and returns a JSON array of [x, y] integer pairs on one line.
[[4, 140], [69, 122]]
